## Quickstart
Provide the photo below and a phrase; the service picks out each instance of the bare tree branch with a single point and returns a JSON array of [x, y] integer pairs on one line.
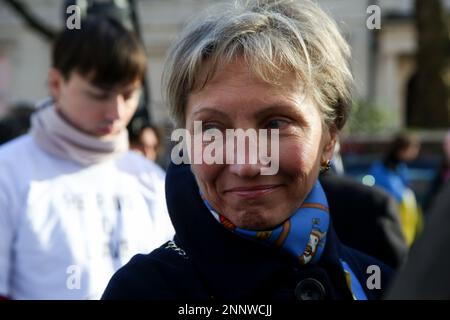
[[31, 19]]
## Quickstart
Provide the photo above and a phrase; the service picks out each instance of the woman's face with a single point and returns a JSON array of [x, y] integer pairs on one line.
[[235, 98]]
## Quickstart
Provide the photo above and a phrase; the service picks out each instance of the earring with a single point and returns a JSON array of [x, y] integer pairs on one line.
[[325, 166]]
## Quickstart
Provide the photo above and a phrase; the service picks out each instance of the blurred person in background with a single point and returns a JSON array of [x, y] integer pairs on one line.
[[392, 174], [379, 232], [15, 122], [75, 203], [145, 138], [426, 272], [365, 218], [442, 174]]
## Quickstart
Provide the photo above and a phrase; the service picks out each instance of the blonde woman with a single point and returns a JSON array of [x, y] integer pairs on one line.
[[276, 66]]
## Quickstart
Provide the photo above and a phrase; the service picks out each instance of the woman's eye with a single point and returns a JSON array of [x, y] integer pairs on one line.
[[208, 126], [276, 124]]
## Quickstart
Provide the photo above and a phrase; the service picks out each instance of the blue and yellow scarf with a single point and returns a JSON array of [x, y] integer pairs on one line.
[[303, 235]]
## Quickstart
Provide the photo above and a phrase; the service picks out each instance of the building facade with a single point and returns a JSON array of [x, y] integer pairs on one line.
[[382, 63]]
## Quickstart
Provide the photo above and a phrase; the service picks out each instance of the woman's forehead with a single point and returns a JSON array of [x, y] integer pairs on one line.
[[235, 90], [239, 73]]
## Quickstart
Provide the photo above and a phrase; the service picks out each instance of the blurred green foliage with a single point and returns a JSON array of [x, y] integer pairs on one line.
[[369, 118]]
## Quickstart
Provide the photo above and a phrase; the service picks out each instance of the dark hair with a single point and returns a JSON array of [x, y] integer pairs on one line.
[[102, 50], [137, 126], [401, 141]]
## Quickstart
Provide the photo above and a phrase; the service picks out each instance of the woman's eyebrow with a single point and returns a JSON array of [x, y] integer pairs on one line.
[[208, 110], [272, 109], [280, 108]]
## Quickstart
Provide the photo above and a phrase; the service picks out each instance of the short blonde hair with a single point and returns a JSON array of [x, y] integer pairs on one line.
[[274, 37]]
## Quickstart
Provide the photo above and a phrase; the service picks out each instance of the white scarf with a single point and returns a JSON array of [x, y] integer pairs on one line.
[[57, 137]]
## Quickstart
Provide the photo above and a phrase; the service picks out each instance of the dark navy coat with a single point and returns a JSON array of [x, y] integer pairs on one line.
[[366, 218], [208, 262]]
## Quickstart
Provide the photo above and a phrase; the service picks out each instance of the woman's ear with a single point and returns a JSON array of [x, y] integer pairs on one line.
[[55, 81], [330, 136]]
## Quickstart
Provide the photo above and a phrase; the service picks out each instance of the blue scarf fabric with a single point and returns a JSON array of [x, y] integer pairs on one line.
[[303, 235]]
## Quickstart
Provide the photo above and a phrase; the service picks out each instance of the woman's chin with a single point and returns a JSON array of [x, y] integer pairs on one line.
[[256, 222]]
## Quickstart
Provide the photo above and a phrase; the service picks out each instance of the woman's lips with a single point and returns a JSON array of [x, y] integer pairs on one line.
[[253, 191]]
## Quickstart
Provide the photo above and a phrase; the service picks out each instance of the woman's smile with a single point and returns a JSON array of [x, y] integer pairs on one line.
[[252, 192]]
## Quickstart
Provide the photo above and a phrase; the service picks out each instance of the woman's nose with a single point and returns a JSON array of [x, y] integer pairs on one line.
[[246, 170], [245, 163]]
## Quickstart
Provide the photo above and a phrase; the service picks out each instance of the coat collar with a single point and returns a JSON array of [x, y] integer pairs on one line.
[[224, 260]]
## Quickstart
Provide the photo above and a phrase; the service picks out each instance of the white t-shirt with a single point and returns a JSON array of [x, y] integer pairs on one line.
[[65, 229]]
